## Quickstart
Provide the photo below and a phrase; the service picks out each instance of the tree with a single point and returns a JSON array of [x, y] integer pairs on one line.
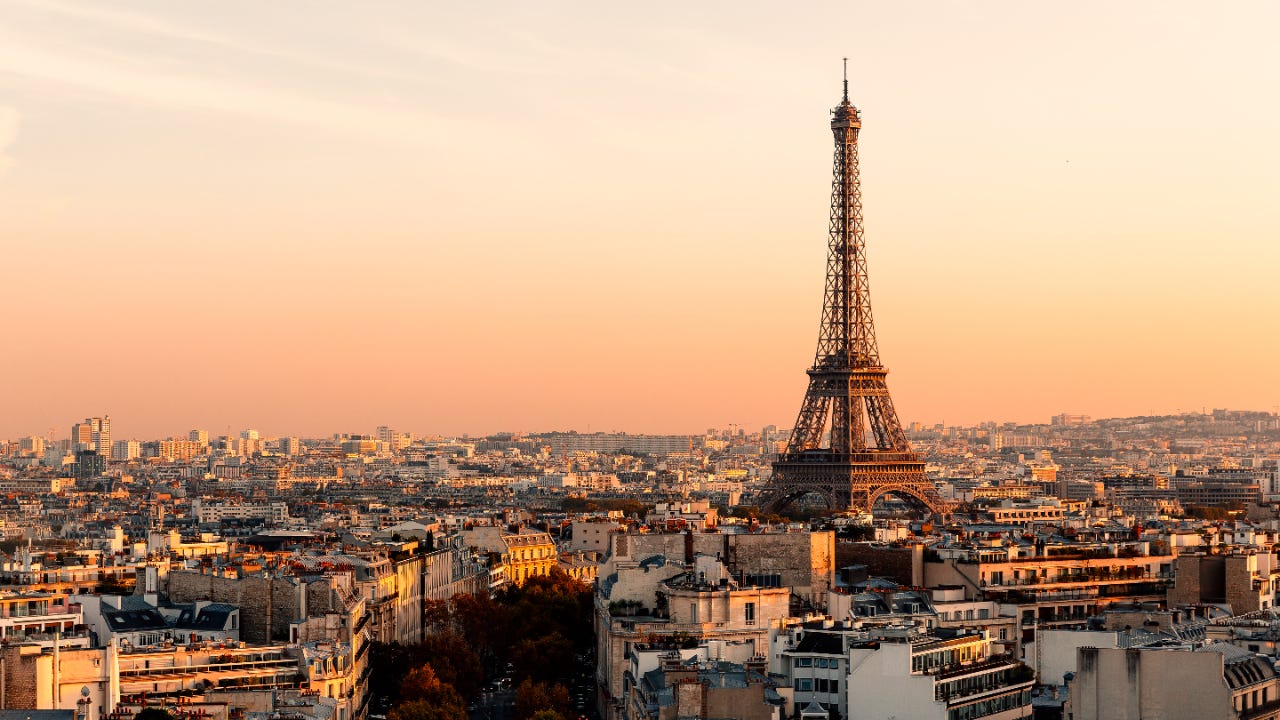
[[454, 662], [424, 710], [479, 619], [388, 665], [541, 659], [556, 603], [436, 614], [423, 684], [533, 697]]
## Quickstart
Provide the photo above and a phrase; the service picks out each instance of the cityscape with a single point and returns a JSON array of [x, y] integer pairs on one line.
[[361, 544]]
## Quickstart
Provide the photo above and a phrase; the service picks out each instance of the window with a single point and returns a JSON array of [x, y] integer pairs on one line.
[[804, 685], [693, 612], [749, 611], [804, 662]]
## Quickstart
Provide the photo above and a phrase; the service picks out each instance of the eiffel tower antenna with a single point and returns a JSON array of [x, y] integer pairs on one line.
[[847, 445], [846, 79]]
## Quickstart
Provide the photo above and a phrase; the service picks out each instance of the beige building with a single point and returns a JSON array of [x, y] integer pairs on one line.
[[27, 616], [659, 602], [522, 555], [1053, 586], [680, 689], [897, 673], [1216, 682], [1246, 578]]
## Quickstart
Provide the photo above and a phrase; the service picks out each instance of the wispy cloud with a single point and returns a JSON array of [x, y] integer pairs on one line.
[[158, 28], [156, 72]]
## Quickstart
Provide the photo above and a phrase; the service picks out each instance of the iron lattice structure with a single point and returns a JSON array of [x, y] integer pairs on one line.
[[866, 454]]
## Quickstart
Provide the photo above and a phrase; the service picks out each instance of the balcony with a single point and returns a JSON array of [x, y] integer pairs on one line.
[[1003, 691], [995, 676]]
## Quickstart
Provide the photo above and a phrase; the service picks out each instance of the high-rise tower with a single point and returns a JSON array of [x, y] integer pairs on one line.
[[847, 445]]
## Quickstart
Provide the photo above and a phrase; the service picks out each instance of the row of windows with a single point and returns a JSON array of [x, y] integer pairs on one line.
[[1242, 702], [822, 685], [946, 656], [818, 662], [534, 554], [984, 708], [983, 614]]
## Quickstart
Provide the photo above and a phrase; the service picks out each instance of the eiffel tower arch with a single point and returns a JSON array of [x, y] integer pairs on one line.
[[847, 446]]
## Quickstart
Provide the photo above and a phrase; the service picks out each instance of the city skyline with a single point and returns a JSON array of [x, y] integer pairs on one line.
[[209, 434], [422, 219]]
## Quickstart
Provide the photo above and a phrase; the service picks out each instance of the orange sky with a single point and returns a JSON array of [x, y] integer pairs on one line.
[[309, 218]]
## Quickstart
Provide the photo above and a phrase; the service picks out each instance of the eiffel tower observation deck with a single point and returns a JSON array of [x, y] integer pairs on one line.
[[847, 446]]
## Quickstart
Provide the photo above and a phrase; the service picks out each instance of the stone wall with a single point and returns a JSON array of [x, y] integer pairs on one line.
[[1132, 684], [881, 561], [805, 561], [20, 677], [1238, 582], [267, 605]]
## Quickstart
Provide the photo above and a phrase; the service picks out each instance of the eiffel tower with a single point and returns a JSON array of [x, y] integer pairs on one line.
[[866, 455]]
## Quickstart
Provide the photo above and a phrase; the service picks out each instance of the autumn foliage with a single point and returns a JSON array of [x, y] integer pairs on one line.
[[538, 628]]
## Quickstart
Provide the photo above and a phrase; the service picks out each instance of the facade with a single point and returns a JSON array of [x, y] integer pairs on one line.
[[519, 556], [126, 450], [591, 535], [679, 690], [528, 555], [1050, 586], [1246, 578], [34, 485], [32, 616], [1216, 682], [662, 603], [897, 673], [276, 513], [615, 442], [813, 659], [92, 434], [801, 561]]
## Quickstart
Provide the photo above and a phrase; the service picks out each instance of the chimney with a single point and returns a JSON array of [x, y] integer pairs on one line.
[[917, 565]]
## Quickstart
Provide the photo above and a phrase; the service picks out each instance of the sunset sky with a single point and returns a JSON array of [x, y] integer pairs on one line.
[[316, 217]]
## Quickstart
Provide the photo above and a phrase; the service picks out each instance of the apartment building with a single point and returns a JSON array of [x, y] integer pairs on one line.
[[1216, 682], [32, 616], [897, 672], [1052, 584], [680, 688], [666, 603], [1245, 577]]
